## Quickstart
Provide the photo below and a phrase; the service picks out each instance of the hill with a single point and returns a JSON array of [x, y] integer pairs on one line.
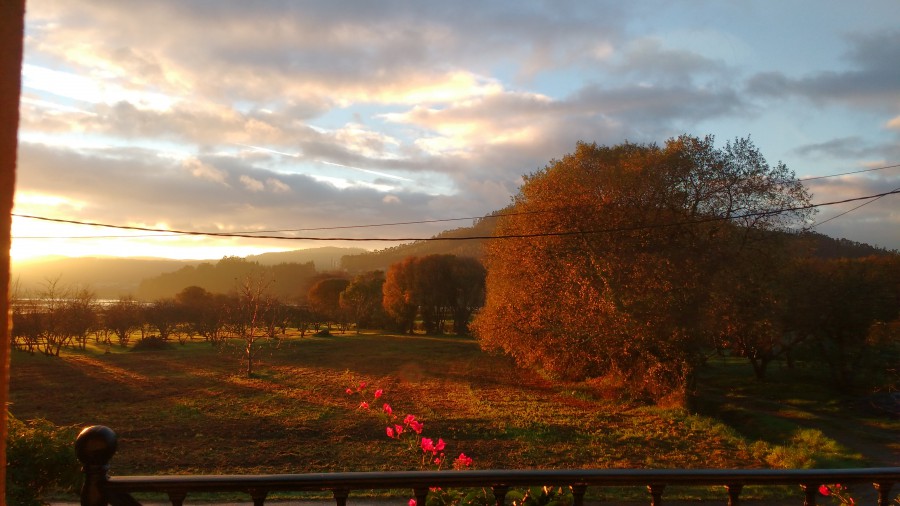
[[822, 246], [325, 259], [111, 277], [107, 277], [114, 277], [450, 242], [289, 281]]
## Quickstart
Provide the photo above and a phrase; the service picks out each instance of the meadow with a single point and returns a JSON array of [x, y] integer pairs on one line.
[[190, 409]]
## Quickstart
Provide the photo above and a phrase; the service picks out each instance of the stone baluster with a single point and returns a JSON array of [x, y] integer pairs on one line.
[[94, 447]]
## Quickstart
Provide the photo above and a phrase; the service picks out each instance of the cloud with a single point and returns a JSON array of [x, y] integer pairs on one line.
[[276, 186], [647, 58], [126, 186], [873, 82], [202, 170], [252, 184], [252, 114], [845, 147]]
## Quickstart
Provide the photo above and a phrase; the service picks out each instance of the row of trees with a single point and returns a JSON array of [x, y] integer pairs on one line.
[[444, 287], [56, 318], [436, 289], [637, 262]]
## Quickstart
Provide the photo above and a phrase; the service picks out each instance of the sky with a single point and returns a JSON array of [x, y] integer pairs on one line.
[[292, 118]]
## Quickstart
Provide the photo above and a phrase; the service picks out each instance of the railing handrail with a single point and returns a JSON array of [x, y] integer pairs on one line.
[[96, 445], [368, 480]]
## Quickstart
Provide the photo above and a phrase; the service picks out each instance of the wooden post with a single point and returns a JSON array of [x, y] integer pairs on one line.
[[12, 30]]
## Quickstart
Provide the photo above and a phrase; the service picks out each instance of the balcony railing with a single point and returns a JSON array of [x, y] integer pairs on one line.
[[96, 445]]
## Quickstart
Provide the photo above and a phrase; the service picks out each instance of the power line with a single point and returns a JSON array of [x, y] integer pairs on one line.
[[498, 215], [491, 237], [417, 222], [847, 173], [854, 209]]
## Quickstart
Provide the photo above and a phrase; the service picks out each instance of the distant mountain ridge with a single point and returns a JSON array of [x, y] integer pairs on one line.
[[325, 258], [112, 277], [107, 277], [449, 242]]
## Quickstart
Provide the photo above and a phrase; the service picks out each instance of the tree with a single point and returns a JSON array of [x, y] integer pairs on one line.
[[164, 315], [27, 321], [468, 275], [249, 314], [204, 312], [57, 317], [397, 297], [324, 298], [848, 309], [362, 299], [80, 316], [122, 318], [614, 251], [438, 288]]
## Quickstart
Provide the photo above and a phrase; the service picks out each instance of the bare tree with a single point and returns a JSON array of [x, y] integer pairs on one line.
[[79, 316], [249, 318], [122, 318]]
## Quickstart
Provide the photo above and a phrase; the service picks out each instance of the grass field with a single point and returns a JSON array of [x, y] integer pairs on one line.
[[189, 409]]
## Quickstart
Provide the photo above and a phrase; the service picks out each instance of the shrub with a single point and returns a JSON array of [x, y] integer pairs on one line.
[[808, 448], [40, 460], [151, 343]]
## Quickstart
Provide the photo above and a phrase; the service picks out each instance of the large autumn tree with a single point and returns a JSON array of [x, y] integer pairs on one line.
[[609, 260]]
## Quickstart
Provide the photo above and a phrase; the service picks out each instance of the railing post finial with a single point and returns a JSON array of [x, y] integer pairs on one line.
[[94, 447]]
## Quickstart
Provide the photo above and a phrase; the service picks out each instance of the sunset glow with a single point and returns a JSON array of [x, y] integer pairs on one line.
[[369, 116]]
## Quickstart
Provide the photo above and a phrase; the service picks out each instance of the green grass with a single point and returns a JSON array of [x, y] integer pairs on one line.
[[190, 409], [795, 417]]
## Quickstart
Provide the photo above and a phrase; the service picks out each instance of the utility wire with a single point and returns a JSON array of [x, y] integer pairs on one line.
[[853, 209], [418, 222], [485, 237], [847, 173]]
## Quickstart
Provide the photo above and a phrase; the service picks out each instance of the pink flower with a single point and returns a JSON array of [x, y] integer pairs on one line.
[[427, 444], [363, 405], [362, 385], [412, 502], [437, 461], [378, 393], [440, 445], [398, 429], [416, 426], [462, 461], [387, 408], [349, 391], [390, 432], [409, 419], [824, 490]]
